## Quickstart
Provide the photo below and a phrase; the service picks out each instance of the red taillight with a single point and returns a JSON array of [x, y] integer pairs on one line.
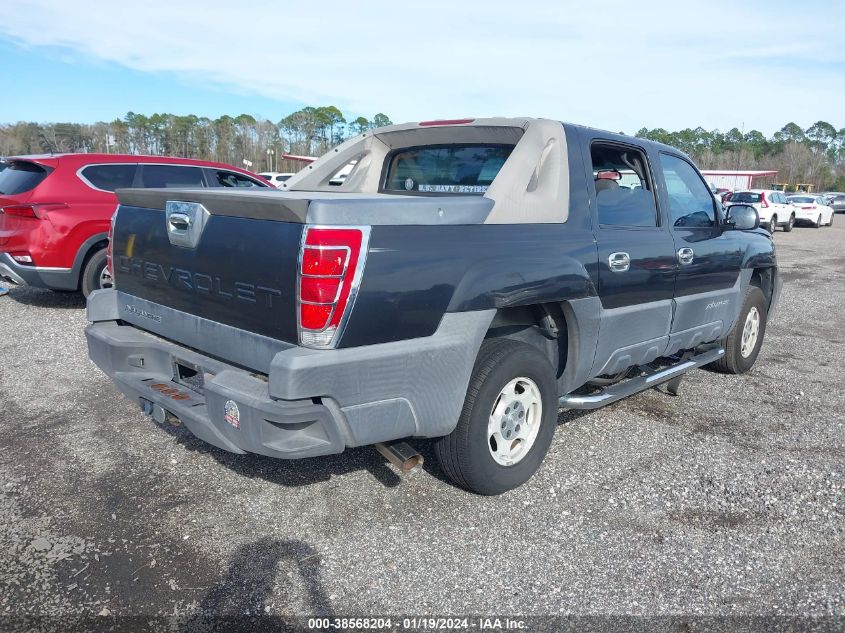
[[445, 122], [763, 202], [38, 211], [330, 264], [809, 206], [21, 210]]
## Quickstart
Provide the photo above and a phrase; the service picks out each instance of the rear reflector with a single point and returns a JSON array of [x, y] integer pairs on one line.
[[331, 264], [22, 258], [445, 122]]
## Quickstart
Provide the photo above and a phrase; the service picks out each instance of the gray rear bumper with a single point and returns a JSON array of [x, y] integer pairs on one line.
[[313, 402], [58, 278], [8, 272]]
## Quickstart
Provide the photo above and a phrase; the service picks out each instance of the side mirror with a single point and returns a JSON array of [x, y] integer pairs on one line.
[[742, 217]]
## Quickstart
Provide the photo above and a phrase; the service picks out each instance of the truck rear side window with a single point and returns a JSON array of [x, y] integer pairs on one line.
[[21, 176], [624, 195], [445, 169]]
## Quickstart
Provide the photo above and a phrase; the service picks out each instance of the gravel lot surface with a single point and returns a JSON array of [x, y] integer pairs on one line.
[[726, 500]]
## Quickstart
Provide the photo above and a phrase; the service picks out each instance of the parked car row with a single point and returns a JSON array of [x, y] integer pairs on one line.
[[276, 178], [778, 209], [55, 210], [837, 201]]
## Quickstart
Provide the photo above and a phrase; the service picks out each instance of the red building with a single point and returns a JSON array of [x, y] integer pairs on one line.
[[739, 179]]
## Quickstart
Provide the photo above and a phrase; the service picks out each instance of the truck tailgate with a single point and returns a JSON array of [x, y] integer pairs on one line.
[[240, 271]]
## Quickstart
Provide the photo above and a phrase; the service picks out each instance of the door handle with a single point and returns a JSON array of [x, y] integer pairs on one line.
[[619, 262], [686, 255]]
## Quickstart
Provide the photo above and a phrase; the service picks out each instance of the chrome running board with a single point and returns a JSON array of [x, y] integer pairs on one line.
[[640, 383]]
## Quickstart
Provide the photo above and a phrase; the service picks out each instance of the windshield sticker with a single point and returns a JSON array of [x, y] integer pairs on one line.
[[453, 188], [409, 184]]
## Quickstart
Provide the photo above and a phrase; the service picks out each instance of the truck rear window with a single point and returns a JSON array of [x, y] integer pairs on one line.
[[21, 176], [445, 169]]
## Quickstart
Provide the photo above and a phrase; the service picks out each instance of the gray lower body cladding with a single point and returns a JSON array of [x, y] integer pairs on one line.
[[312, 402], [59, 278]]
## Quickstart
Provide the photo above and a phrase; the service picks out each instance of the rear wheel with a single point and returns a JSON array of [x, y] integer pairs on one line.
[[743, 344], [831, 219], [789, 225], [773, 224], [818, 221], [96, 275], [507, 422]]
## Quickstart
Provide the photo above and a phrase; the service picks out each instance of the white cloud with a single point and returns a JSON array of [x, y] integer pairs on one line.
[[611, 64]]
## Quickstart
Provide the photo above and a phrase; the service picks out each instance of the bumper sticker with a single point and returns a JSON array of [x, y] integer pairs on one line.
[[232, 414]]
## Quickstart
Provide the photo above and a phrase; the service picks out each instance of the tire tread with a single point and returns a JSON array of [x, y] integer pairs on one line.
[[729, 363]]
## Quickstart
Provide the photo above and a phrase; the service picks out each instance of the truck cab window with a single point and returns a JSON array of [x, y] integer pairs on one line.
[[624, 195], [445, 169], [690, 202]]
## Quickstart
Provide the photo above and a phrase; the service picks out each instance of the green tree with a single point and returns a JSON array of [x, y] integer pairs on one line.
[[333, 120], [790, 132], [381, 120], [360, 125]]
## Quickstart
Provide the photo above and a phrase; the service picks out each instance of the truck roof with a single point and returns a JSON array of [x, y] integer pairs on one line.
[[530, 186]]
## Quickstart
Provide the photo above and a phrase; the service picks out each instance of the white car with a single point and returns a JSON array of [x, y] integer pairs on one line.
[[812, 209], [276, 178], [772, 206]]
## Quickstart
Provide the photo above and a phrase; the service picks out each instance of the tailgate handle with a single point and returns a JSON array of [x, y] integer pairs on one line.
[[179, 222]]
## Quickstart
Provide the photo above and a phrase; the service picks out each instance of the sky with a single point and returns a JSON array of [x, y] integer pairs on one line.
[[615, 65]]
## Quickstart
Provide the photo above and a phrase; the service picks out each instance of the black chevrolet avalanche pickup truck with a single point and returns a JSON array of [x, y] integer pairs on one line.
[[465, 281]]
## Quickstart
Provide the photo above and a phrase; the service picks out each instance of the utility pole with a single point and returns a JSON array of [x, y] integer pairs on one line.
[[741, 145]]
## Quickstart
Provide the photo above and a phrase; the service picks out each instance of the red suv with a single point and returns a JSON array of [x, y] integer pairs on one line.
[[55, 210]]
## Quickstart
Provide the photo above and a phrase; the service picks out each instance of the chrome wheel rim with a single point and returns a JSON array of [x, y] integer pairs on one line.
[[750, 332], [514, 421], [105, 278]]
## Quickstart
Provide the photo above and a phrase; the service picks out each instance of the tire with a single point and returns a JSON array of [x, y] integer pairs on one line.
[[831, 219], [466, 454], [735, 361], [93, 272], [818, 222], [789, 225], [773, 224]]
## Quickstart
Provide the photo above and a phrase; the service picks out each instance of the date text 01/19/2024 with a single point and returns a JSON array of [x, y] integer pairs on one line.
[[416, 623]]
